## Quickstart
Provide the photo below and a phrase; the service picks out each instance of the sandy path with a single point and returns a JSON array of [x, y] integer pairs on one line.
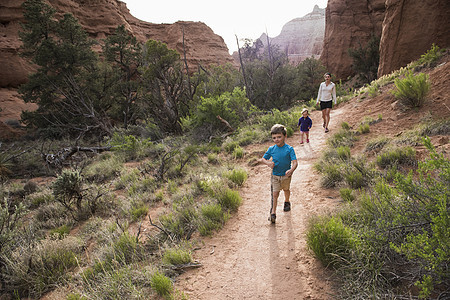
[[252, 259]]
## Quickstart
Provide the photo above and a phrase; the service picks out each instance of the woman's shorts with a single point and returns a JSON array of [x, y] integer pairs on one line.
[[281, 183], [326, 104]]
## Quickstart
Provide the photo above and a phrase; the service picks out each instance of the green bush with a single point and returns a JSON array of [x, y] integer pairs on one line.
[[229, 199], [237, 176], [161, 284], [397, 156], [213, 158], [331, 173], [330, 240], [347, 194], [61, 231], [430, 57], [413, 89], [238, 152], [364, 128], [342, 138], [139, 212], [376, 145], [343, 152], [176, 256]]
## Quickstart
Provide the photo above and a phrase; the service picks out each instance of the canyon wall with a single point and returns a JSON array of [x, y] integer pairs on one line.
[[406, 28], [349, 23], [409, 30], [302, 37], [99, 18]]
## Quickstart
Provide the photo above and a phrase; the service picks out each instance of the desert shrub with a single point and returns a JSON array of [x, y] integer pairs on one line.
[[331, 173], [130, 147], [213, 158], [428, 59], [377, 144], [182, 221], [230, 145], [176, 256], [364, 128], [345, 126], [38, 268], [347, 194], [374, 89], [237, 176], [105, 169], [39, 198], [138, 212], [61, 231], [277, 117], [229, 199], [213, 218], [238, 152], [330, 240], [397, 156], [127, 177], [161, 284], [342, 138], [412, 89], [343, 152]]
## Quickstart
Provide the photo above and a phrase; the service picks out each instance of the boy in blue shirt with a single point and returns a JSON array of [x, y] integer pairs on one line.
[[283, 164]]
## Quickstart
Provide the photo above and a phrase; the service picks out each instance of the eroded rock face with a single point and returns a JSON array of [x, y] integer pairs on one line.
[[302, 37], [99, 18], [349, 23], [409, 30]]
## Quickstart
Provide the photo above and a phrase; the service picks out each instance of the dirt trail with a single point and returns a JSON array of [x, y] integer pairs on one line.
[[252, 259]]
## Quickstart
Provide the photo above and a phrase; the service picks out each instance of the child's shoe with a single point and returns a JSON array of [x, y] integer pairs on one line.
[[301, 142], [307, 140], [272, 218], [287, 206]]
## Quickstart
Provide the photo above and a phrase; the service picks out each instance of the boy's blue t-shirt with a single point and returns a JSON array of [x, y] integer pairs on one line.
[[282, 157]]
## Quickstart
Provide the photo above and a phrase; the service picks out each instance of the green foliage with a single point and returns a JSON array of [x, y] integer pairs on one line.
[[343, 137], [36, 269], [237, 176], [238, 152], [176, 256], [213, 159], [105, 169], [345, 126], [330, 240], [377, 144], [139, 212], [65, 86], [164, 88], [213, 218], [124, 53], [310, 75], [131, 147], [68, 188], [366, 59], [61, 231], [233, 107], [161, 284], [413, 89], [429, 59], [397, 156], [347, 194], [364, 128], [229, 199]]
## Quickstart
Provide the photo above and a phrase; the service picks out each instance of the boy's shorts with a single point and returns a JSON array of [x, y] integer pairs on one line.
[[281, 183]]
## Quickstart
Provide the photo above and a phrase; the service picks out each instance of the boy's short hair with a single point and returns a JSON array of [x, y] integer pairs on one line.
[[277, 129]]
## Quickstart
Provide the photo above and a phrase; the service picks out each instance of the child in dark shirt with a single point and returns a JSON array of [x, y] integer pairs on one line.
[[305, 124]]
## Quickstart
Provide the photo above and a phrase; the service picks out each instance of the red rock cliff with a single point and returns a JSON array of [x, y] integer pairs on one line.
[[409, 30], [347, 24], [100, 18]]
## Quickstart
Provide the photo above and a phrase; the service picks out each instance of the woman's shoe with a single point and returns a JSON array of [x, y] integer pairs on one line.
[[326, 130]]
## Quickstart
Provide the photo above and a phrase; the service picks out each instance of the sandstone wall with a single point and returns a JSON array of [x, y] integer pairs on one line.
[[349, 23], [302, 37], [100, 18], [409, 30]]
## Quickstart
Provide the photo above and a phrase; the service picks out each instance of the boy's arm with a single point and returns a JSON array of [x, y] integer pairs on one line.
[[292, 169], [269, 163]]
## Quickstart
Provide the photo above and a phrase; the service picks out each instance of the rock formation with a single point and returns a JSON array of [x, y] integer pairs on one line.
[[349, 23], [302, 37], [409, 30], [100, 18]]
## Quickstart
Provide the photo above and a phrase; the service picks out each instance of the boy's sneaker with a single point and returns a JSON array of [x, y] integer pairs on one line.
[[272, 218], [287, 206]]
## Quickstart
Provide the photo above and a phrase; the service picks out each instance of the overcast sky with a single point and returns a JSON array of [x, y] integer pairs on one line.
[[244, 18]]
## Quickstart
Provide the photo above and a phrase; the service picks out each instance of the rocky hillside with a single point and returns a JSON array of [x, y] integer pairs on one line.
[[99, 18], [302, 37], [407, 30]]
